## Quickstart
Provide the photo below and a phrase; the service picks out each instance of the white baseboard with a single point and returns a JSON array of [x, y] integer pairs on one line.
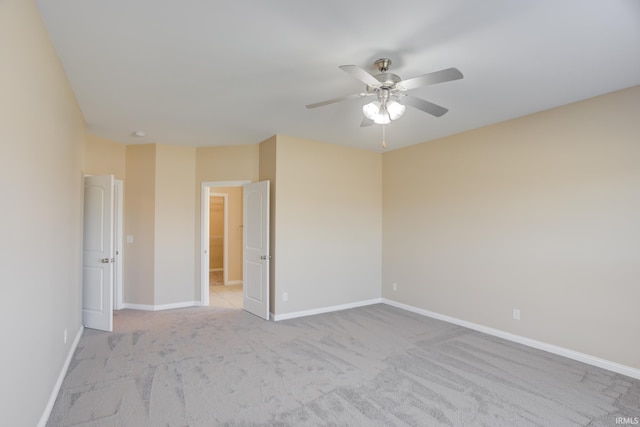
[[560, 351], [293, 315], [159, 307], [233, 282], [56, 388], [145, 307]]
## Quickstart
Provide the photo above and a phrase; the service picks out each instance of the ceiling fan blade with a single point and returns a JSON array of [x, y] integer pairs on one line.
[[429, 79], [334, 100], [366, 122], [426, 106], [361, 75]]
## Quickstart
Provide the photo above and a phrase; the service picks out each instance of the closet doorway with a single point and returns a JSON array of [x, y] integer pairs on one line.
[[218, 204], [225, 257]]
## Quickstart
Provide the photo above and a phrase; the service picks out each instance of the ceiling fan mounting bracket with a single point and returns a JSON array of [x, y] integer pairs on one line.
[[383, 64]]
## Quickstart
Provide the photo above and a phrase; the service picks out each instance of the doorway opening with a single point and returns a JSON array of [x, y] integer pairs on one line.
[[222, 245], [225, 247]]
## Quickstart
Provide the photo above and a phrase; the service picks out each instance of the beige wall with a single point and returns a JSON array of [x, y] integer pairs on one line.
[[104, 157], [538, 213], [218, 164], [139, 222], [174, 224], [159, 215], [328, 205], [232, 163], [41, 146]]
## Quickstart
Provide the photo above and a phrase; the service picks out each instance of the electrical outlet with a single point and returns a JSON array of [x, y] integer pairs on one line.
[[394, 286], [285, 296], [65, 336], [516, 314]]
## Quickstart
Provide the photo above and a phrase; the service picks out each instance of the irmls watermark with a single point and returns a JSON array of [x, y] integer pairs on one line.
[[629, 421]]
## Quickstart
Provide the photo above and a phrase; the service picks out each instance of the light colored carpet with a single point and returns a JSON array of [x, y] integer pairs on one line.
[[370, 366]]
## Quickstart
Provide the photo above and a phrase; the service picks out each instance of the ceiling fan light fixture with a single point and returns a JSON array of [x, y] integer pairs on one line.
[[383, 114], [371, 110], [389, 88], [395, 110], [382, 118]]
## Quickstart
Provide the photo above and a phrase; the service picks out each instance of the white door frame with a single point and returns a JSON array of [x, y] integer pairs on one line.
[[204, 233]]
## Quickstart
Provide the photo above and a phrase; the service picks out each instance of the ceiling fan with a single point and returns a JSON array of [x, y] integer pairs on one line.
[[389, 90]]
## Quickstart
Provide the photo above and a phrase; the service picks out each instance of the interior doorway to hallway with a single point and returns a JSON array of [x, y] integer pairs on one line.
[[225, 247], [222, 255]]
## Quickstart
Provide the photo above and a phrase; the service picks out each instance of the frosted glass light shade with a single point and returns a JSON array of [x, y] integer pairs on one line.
[[382, 118], [395, 110], [371, 110]]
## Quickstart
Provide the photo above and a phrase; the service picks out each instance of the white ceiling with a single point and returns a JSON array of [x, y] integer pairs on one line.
[[203, 73]]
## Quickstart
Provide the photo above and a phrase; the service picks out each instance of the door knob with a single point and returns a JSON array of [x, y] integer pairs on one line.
[[105, 260], [265, 257]]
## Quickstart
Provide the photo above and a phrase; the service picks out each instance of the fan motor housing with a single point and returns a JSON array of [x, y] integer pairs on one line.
[[388, 81]]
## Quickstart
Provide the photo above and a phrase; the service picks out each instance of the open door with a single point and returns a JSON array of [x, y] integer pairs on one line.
[[98, 253], [256, 249]]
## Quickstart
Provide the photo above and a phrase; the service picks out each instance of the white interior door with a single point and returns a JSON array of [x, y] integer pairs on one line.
[[98, 254], [256, 249], [118, 210]]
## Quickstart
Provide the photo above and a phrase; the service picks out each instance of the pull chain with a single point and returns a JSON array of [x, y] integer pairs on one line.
[[384, 143]]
